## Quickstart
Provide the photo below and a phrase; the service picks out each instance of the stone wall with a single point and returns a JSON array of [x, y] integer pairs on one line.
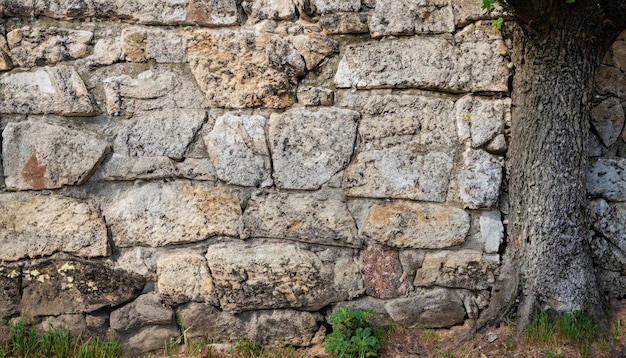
[[243, 167]]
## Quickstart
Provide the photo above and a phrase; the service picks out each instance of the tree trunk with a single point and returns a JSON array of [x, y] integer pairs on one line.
[[548, 262]]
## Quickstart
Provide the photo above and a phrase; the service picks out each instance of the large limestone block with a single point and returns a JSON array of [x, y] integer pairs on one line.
[[185, 277], [481, 119], [471, 61], [9, 291], [410, 17], [140, 44], [203, 320], [238, 149], [406, 224], [608, 120], [71, 286], [491, 231], [144, 311], [41, 46], [313, 47], [401, 172], [345, 23], [159, 214], [269, 275], [211, 12], [383, 274], [164, 133], [34, 226], [435, 308], [58, 90], [39, 155], [607, 178], [155, 89], [480, 178], [150, 339], [258, 10], [456, 269], [334, 6], [130, 168], [240, 69], [317, 218], [308, 147]]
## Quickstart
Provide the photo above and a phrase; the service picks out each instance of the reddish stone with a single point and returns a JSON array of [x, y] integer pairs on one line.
[[383, 274]]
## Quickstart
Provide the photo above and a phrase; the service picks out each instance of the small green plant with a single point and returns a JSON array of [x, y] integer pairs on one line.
[[355, 333], [550, 354], [428, 335], [443, 354]]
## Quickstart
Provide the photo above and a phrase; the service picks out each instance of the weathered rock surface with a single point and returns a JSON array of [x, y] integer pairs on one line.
[[41, 46], [315, 96], [255, 275], [321, 218], [150, 338], [383, 274], [333, 6], [472, 61], [468, 11], [203, 320], [400, 172], [158, 214], [238, 150], [610, 80], [258, 10], [84, 325], [480, 179], [456, 269], [130, 168], [308, 147], [406, 224], [141, 44], [428, 309], [106, 51], [10, 287], [39, 155], [608, 120], [185, 277], [610, 221], [491, 230], [34, 226], [313, 47], [481, 119], [242, 69], [58, 90], [616, 56], [345, 23], [411, 17], [144, 311], [607, 178], [70, 286]]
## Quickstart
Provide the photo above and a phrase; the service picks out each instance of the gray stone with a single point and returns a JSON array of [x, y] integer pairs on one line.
[[58, 90], [141, 44], [315, 96], [308, 148], [613, 284], [314, 48], [120, 167], [144, 311], [9, 291], [106, 51], [607, 256], [345, 23], [165, 133], [150, 338], [185, 277], [618, 54], [491, 231], [365, 303], [401, 172], [84, 325], [472, 61], [405, 224], [608, 120], [611, 223], [480, 179], [35, 226], [497, 145], [158, 214], [411, 260], [203, 320], [238, 150], [39, 155], [607, 178], [595, 147], [469, 11], [243, 69], [212, 12], [57, 287], [610, 81], [41, 46], [456, 269], [481, 119], [411, 17], [254, 275], [383, 274], [333, 6], [320, 218], [258, 10], [437, 308], [196, 168]]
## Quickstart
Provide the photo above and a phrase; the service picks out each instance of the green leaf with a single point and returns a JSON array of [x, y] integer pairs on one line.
[[498, 23], [488, 4], [570, 1]]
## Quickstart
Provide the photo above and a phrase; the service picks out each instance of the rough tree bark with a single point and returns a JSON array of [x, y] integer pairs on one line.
[[557, 47]]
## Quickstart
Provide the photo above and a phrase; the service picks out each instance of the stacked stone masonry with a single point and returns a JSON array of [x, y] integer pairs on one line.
[[244, 167]]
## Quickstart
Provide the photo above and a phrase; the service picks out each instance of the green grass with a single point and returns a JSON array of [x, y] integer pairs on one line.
[[26, 342], [355, 333]]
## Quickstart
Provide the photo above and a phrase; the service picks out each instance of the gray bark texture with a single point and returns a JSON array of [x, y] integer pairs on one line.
[[548, 263]]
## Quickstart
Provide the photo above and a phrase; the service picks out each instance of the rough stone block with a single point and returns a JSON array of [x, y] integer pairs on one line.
[[319, 218], [611, 223], [400, 172], [480, 179], [437, 308], [308, 147], [314, 48], [456, 269], [52, 288], [142, 44], [132, 168], [243, 69], [39, 155], [238, 149], [255, 275], [149, 339], [607, 178], [481, 119], [258, 10], [383, 274], [183, 278], [471, 61], [144, 311], [40, 46], [159, 214], [204, 320], [84, 325], [106, 51], [315, 96], [410, 17], [345, 23], [334, 6], [468, 11], [10, 288], [611, 81], [608, 120], [406, 224], [491, 231], [212, 12], [58, 90], [34, 226]]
